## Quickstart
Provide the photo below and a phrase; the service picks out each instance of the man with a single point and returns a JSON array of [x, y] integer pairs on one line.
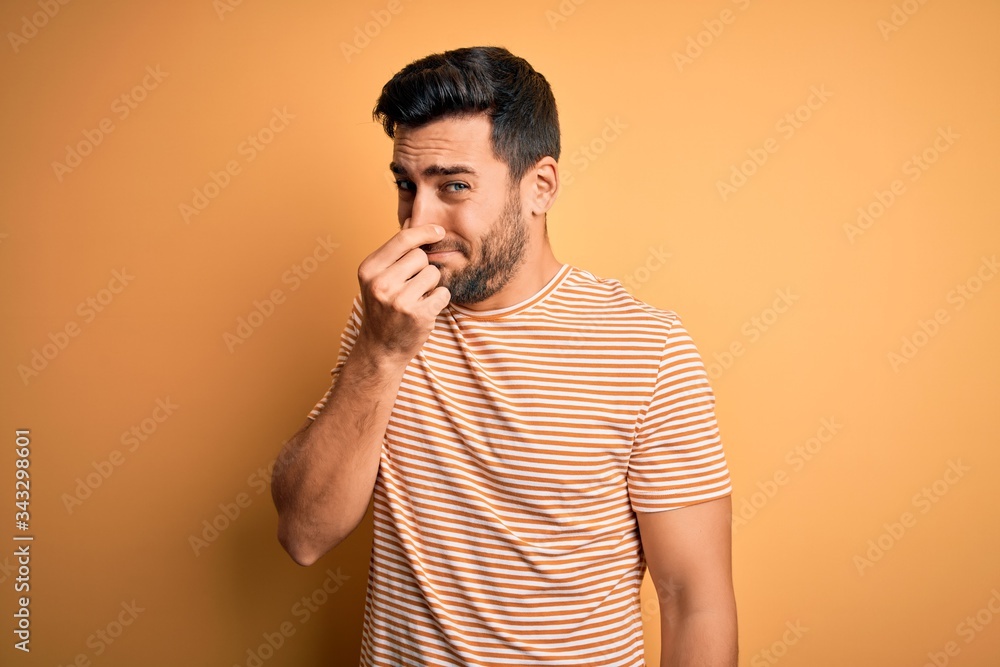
[[533, 436]]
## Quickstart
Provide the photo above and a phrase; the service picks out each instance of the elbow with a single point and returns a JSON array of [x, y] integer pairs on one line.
[[292, 537], [300, 554], [303, 551], [300, 551]]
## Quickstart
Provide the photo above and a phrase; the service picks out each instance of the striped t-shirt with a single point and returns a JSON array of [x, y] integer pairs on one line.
[[520, 445]]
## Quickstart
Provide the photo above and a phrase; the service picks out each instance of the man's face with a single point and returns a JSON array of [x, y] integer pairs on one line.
[[447, 175]]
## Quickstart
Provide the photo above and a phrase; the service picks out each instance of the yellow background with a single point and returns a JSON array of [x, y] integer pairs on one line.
[[647, 138]]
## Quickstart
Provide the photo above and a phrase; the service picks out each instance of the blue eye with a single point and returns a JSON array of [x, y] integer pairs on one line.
[[462, 186], [403, 184]]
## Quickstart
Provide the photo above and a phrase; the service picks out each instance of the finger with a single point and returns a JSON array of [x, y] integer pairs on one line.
[[421, 284], [403, 242], [437, 300], [404, 269]]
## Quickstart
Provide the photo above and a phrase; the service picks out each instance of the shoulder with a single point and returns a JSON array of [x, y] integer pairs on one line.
[[606, 300]]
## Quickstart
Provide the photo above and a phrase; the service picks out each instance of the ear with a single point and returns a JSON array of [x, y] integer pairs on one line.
[[542, 186]]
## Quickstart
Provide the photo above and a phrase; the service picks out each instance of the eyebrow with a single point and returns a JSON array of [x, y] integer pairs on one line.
[[435, 170]]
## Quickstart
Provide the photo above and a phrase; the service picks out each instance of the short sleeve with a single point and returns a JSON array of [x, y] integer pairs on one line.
[[347, 339], [677, 457]]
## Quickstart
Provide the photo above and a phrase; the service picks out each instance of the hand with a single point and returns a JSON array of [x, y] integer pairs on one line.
[[400, 294]]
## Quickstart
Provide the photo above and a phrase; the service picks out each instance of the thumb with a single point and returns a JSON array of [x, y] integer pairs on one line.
[[438, 299]]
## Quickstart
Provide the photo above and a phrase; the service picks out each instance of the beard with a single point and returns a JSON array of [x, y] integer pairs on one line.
[[501, 251]]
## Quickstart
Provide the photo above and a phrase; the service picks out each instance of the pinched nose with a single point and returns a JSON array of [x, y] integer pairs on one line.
[[421, 210]]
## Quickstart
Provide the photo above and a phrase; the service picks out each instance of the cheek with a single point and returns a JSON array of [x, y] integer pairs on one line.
[[465, 222]]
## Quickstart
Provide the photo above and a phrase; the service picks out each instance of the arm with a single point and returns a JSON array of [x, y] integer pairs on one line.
[[689, 555], [325, 474]]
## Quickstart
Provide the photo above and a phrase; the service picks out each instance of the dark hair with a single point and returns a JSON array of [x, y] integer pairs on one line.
[[482, 79]]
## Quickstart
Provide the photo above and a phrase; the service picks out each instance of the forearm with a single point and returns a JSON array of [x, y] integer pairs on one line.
[[323, 479], [703, 637]]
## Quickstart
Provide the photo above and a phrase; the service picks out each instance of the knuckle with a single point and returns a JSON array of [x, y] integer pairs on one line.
[[364, 272], [378, 289], [406, 235], [418, 253]]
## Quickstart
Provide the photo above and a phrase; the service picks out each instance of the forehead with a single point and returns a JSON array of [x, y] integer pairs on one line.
[[446, 141]]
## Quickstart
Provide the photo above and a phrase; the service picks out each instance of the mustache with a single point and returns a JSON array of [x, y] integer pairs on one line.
[[442, 246]]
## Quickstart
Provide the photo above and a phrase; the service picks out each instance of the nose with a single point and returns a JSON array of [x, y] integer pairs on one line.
[[421, 209]]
